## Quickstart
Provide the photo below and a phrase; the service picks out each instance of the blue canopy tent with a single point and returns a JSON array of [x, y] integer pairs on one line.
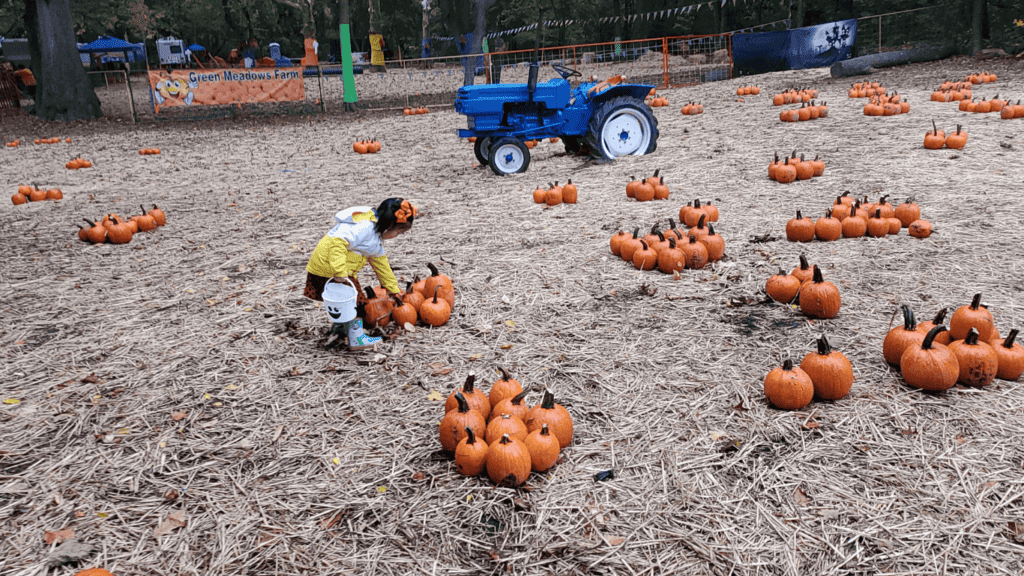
[[196, 48], [132, 52]]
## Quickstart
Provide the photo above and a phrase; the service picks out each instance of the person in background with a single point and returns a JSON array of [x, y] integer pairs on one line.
[[26, 81], [345, 249]]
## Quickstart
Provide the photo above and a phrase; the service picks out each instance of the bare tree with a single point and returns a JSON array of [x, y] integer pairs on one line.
[[479, 29], [63, 90]]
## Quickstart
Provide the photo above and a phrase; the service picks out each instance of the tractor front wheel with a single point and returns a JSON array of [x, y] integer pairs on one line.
[[482, 148], [622, 126], [509, 156]]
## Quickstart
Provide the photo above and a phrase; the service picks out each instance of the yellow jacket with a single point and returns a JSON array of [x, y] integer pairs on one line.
[[346, 248]]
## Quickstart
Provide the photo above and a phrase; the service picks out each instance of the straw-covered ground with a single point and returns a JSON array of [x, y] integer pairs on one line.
[[169, 400]]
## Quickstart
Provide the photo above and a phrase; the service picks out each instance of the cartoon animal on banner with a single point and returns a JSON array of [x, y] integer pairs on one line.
[[177, 88]]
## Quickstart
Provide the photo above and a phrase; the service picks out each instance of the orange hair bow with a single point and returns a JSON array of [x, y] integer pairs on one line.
[[406, 211]]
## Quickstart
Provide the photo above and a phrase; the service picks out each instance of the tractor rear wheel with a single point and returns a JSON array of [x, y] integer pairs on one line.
[[482, 147], [509, 156], [622, 126]]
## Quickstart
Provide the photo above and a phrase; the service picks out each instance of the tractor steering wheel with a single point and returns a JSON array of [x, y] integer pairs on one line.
[[564, 72]]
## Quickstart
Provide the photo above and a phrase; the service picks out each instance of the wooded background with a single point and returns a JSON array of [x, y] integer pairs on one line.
[[220, 24]]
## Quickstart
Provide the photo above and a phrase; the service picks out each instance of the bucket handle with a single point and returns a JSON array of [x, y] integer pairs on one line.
[[346, 279]]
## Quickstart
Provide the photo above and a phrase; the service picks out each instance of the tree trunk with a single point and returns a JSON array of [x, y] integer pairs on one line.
[[976, 25], [63, 90], [723, 25], [798, 22], [374, 16], [426, 23], [479, 29], [617, 11]]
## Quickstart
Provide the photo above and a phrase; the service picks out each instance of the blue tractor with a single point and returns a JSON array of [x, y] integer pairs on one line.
[[605, 119]]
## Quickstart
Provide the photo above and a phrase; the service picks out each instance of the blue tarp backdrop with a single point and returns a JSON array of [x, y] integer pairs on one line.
[[810, 47]]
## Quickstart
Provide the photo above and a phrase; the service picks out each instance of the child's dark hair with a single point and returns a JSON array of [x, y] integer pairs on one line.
[[386, 215]]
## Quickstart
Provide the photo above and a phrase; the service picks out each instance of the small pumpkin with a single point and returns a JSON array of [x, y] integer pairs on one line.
[[435, 312], [828, 228], [819, 298], [970, 316], [804, 271], [854, 226], [956, 140], [37, 195], [471, 454], [878, 227], [712, 211], [120, 232], [412, 297], [145, 221], [930, 365], [616, 241], [158, 216], [404, 312], [907, 212], [514, 406], [700, 230], [782, 287], [453, 426], [539, 195], [505, 424], [800, 229], [378, 308], [554, 415], [569, 192], [436, 279], [804, 169], [788, 387], [645, 192], [772, 166], [505, 387], [690, 215], [894, 225], [19, 199], [54, 194], [553, 196], [785, 173], [96, 233], [935, 138], [939, 320], [629, 246], [645, 258], [544, 449], [661, 191], [695, 253], [508, 462], [978, 362], [474, 396], [671, 259], [1011, 357], [901, 337], [714, 244], [830, 371], [631, 187], [920, 229]]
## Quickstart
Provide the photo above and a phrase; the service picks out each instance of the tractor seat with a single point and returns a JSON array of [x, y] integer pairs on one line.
[[491, 98]]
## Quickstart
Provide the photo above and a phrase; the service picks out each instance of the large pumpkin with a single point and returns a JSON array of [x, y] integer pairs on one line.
[[930, 366], [506, 387], [554, 415], [508, 462], [453, 426], [973, 316], [901, 337], [830, 371], [1011, 357], [788, 387], [476, 398], [819, 298], [978, 362]]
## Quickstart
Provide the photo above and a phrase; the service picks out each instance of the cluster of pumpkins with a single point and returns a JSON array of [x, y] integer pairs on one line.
[[54, 140], [692, 109], [77, 163], [981, 78], [652, 188], [865, 90], [818, 298], [27, 194], [116, 230], [747, 90], [366, 147], [556, 194], [657, 102], [673, 250], [825, 374], [499, 433], [431, 300], [851, 218], [794, 96], [415, 111], [953, 92], [935, 139], [886, 105], [969, 351], [14, 143], [149, 151], [807, 111], [1006, 110], [794, 168]]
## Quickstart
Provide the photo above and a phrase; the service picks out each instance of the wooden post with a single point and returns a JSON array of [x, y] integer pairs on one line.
[[664, 62], [879, 34], [131, 98], [320, 82]]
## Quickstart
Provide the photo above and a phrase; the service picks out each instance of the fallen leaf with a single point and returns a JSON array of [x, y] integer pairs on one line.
[[435, 396], [419, 476], [174, 520], [176, 416], [231, 387], [59, 535], [909, 431], [809, 425], [506, 346], [91, 379], [615, 540], [12, 401], [800, 497]]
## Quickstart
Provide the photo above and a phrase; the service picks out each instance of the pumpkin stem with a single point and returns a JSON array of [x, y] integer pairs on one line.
[[711, 230], [1008, 343], [799, 216], [635, 232], [976, 301], [463, 405], [935, 129], [143, 208], [909, 323], [776, 158], [435, 294], [656, 172], [89, 222], [518, 398], [823, 346], [803, 262], [504, 439], [693, 239], [654, 229], [828, 213], [468, 385], [644, 244], [544, 430], [818, 279], [548, 403], [957, 129], [972, 337], [787, 365], [470, 435], [408, 288], [370, 293], [504, 373], [570, 182], [661, 236], [878, 213], [700, 223], [433, 269], [927, 344], [671, 224], [940, 318], [672, 242], [696, 203]]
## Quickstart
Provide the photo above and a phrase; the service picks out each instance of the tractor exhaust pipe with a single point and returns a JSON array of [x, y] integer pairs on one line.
[[531, 82]]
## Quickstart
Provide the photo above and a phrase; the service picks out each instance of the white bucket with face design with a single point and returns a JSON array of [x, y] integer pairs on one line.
[[340, 300]]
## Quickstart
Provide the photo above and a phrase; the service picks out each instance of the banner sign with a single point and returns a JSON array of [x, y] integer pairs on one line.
[[810, 47], [376, 49], [217, 87]]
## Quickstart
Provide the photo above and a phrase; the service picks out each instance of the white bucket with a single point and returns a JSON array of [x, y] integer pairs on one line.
[[340, 300]]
